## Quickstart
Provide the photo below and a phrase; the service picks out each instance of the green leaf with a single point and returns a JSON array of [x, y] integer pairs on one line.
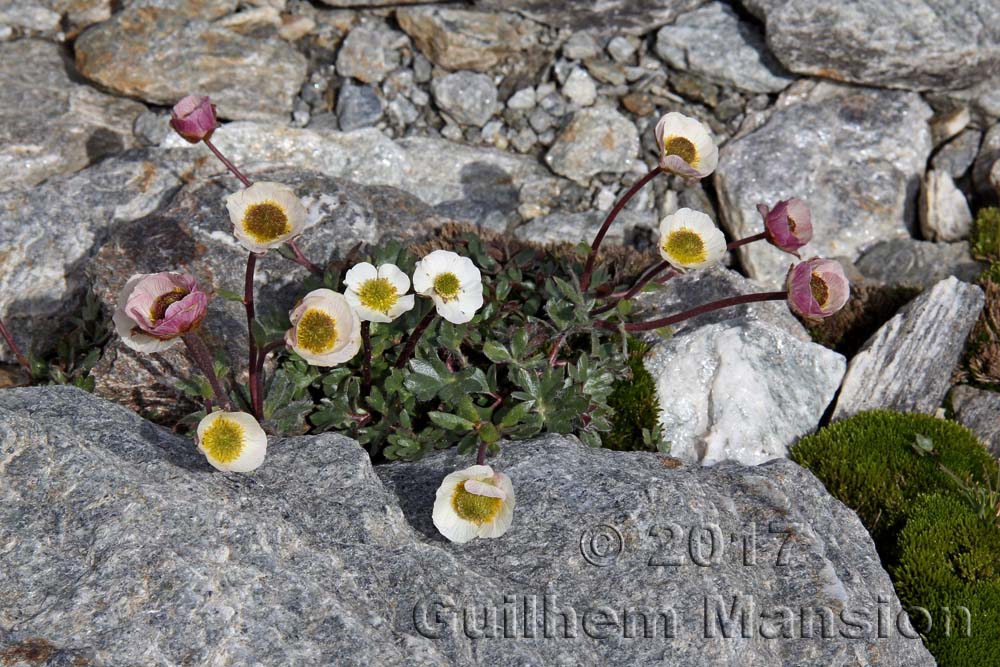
[[516, 414], [229, 295], [451, 422], [496, 352]]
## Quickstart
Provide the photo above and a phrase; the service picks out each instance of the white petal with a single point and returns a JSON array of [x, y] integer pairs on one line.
[[404, 305], [358, 274], [485, 489], [423, 281], [452, 310], [396, 278]]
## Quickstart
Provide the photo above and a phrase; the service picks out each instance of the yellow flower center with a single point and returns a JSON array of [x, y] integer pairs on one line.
[[378, 294], [819, 288], [223, 440], [682, 148], [446, 285], [474, 508], [316, 331], [159, 309], [685, 246], [266, 221]]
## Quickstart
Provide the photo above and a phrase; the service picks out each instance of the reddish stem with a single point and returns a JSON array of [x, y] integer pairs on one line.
[[229, 165], [203, 359], [642, 282], [749, 239], [366, 362], [411, 342], [554, 354], [481, 452], [595, 246], [21, 359], [256, 405], [694, 312], [302, 260]]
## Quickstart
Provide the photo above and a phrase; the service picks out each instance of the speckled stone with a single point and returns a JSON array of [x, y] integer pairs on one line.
[[616, 17], [712, 42], [596, 140], [468, 97], [913, 44], [908, 363], [979, 410], [50, 124], [160, 55], [854, 155], [50, 232], [122, 547], [918, 263]]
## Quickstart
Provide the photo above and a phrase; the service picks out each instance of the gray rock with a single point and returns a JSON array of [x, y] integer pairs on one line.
[[955, 157], [854, 155], [920, 44], [740, 391], [375, 3], [580, 227], [982, 100], [193, 233], [151, 128], [597, 140], [59, 19], [989, 154], [580, 46], [918, 263], [621, 49], [469, 98], [944, 212], [522, 100], [908, 363], [461, 39], [368, 55], [712, 42], [50, 232], [474, 184], [977, 409], [161, 55], [108, 521], [609, 16], [357, 107], [524, 140], [580, 88], [48, 123]]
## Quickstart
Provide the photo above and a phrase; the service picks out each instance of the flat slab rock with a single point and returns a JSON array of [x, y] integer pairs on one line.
[[122, 547], [908, 363]]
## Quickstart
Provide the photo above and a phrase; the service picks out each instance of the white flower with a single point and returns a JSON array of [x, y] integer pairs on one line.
[[325, 329], [232, 441], [690, 240], [475, 502], [378, 295], [686, 146], [453, 282], [265, 215]]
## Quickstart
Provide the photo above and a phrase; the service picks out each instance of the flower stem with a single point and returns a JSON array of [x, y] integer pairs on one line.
[[366, 362], [256, 405], [261, 359], [301, 259], [749, 239], [694, 312], [481, 452], [203, 358], [595, 246], [229, 165], [642, 282], [21, 359], [411, 342]]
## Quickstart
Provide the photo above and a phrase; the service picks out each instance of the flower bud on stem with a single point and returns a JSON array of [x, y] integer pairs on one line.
[[411, 342], [694, 312], [596, 245], [203, 358], [21, 359]]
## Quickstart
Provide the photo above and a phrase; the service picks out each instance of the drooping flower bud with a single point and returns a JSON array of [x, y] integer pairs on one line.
[[817, 288], [194, 118], [155, 309], [788, 225]]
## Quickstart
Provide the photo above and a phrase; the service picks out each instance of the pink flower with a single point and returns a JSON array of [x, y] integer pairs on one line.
[[194, 118], [788, 225], [155, 309], [817, 288]]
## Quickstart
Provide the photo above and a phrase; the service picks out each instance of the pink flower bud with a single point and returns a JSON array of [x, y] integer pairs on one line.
[[155, 309], [194, 118], [817, 288], [788, 225]]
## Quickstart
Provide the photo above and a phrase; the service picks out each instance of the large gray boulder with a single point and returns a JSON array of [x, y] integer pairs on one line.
[[122, 547], [914, 44]]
